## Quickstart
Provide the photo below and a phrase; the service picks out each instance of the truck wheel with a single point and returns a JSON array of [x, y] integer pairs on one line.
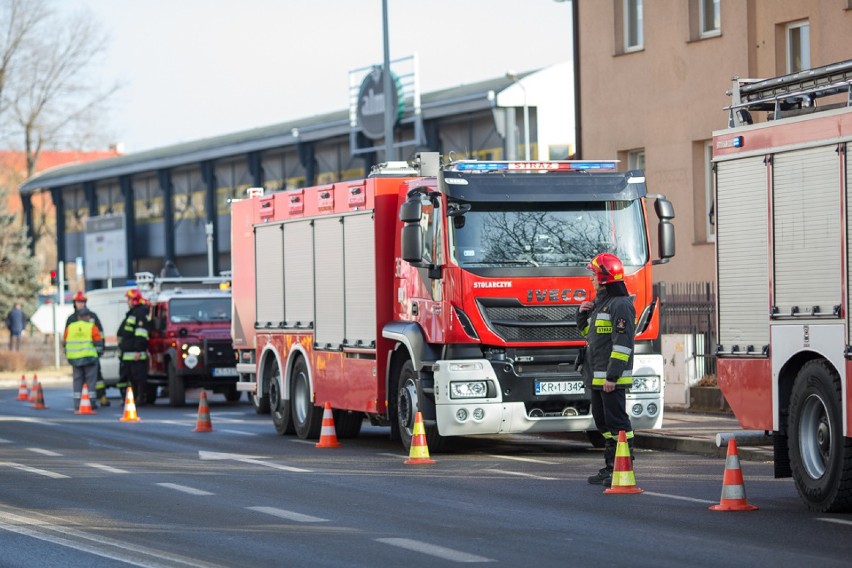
[[307, 418], [820, 455], [347, 424], [232, 394], [279, 408], [407, 406], [177, 390]]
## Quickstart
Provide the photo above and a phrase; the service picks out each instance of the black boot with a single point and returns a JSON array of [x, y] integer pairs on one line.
[[604, 475]]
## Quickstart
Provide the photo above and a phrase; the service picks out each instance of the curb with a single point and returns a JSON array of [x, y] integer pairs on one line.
[[699, 446]]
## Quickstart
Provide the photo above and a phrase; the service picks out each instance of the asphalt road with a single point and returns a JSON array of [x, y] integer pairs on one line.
[[95, 491]]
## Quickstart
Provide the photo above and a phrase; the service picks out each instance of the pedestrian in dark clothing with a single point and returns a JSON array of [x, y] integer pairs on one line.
[[133, 344], [15, 321], [609, 325], [80, 300]]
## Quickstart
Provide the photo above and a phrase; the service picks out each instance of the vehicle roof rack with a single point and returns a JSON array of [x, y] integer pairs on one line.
[[793, 92]]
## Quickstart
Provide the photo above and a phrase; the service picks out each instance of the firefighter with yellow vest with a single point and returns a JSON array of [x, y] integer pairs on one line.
[[80, 300], [133, 345], [83, 345], [609, 324]]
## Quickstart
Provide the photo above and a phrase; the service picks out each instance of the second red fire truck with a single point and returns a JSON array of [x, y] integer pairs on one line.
[[451, 290]]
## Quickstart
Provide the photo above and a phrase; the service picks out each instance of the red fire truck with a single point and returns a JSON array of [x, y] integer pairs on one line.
[[451, 290], [784, 353]]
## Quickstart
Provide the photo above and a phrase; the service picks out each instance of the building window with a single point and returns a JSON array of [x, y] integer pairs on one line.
[[708, 17], [634, 39], [798, 47], [709, 193], [636, 159]]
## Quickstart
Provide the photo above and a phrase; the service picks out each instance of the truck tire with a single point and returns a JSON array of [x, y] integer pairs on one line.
[[407, 407], [307, 418], [347, 424], [177, 389], [279, 407], [820, 455]]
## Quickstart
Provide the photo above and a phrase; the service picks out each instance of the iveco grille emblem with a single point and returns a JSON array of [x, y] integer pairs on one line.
[[556, 295]]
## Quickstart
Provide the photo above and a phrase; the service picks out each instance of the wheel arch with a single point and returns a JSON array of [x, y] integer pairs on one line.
[[787, 379], [268, 354]]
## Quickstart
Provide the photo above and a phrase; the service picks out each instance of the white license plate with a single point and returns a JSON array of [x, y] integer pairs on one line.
[[545, 388], [225, 372]]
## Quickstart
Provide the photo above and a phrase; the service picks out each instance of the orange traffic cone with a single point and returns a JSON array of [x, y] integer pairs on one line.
[[203, 423], [85, 403], [328, 435], [623, 480], [733, 490], [23, 392], [39, 401], [419, 453], [34, 389], [129, 408]]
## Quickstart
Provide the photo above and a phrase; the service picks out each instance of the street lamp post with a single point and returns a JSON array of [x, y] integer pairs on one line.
[[512, 76]]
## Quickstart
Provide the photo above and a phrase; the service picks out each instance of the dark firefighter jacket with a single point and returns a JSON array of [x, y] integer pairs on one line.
[[133, 334], [609, 328]]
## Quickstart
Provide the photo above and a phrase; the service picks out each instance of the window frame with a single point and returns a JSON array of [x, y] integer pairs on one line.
[[803, 42], [639, 25], [703, 30]]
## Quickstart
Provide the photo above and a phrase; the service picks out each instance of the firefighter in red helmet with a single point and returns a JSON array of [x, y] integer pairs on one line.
[[609, 324], [80, 300], [133, 346]]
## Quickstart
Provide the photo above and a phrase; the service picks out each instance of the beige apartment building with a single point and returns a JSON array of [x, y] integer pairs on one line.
[[653, 76]]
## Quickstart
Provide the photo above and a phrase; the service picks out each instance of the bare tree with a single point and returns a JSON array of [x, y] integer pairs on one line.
[[48, 93]]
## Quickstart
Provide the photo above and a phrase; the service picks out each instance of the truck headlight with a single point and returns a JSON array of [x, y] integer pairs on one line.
[[648, 383], [468, 389], [193, 350]]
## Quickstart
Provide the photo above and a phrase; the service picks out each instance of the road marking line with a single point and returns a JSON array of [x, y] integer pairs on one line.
[[519, 474], [4, 441], [43, 472], [838, 521], [434, 550], [239, 432], [248, 459], [289, 515], [393, 456], [107, 468], [97, 545], [531, 460], [44, 452], [309, 442], [678, 497], [185, 489]]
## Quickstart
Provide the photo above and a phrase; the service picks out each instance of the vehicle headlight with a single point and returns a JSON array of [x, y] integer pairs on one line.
[[193, 350], [462, 367], [648, 383], [468, 389]]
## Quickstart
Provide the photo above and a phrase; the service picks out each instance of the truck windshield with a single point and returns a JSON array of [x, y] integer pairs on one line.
[[569, 234], [199, 309]]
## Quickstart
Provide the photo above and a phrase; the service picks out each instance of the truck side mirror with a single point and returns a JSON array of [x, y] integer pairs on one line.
[[411, 210], [412, 242], [665, 230]]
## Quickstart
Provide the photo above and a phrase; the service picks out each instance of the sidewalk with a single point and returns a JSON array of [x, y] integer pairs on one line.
[[696, 432]]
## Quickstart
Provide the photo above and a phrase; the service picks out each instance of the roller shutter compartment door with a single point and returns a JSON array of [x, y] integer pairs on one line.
[[299, 274], [807, 220], [742, 253], [360, 280], [269, 270], [329, 282]]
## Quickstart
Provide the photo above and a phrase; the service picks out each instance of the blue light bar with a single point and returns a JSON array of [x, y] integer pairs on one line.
[[539, 166]]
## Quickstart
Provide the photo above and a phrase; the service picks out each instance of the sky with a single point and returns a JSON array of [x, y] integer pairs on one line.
[[192, 69]]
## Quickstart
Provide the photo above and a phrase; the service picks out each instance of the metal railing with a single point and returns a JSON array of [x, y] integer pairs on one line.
[[690, 308]]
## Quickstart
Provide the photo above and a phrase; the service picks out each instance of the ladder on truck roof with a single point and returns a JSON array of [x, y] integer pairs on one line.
[[151, 284], [793, 92]]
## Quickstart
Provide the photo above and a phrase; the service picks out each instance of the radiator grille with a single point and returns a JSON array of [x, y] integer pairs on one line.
[[513, 321]]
